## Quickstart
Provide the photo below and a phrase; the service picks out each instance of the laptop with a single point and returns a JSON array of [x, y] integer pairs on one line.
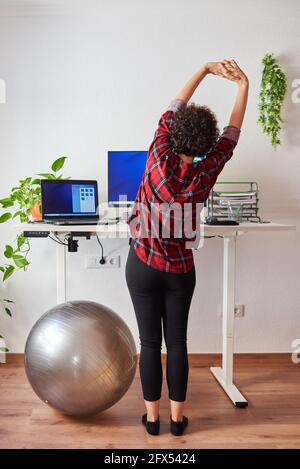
[[69, 202]]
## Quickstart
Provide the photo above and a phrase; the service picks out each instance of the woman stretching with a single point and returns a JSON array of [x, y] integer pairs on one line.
[[160, 271]]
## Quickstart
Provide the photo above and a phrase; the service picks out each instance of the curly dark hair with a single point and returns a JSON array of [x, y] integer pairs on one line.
[[194, 130]]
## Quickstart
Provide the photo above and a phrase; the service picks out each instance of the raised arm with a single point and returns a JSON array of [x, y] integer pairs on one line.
[[239, 108], [189, 88], [223, 148]]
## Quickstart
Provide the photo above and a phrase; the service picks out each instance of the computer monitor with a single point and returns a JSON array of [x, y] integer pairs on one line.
[[125, 172], [69, 199]]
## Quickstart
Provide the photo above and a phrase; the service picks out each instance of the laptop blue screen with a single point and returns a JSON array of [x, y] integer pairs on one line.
[[125, 172], [69, 199]]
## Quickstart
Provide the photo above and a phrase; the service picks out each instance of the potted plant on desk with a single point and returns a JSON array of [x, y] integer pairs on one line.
[[24, 202]]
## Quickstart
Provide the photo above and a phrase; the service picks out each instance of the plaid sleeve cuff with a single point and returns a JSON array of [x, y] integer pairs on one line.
[[231, 132], [176, 104]]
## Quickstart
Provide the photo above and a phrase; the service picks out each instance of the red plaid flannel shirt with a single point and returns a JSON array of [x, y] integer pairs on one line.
[[169, 181]]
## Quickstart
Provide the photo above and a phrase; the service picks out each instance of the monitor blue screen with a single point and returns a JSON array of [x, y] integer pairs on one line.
[[125, 172], [69, 199]]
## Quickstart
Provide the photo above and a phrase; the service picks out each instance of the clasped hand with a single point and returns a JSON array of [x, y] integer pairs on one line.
[[227, 69]]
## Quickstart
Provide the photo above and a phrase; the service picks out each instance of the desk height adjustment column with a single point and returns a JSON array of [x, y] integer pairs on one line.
[[224, 374]]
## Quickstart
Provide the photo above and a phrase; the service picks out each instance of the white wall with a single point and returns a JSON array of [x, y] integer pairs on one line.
[[83, 77]]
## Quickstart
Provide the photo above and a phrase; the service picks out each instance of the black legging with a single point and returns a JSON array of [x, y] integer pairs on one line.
[[158, 297]]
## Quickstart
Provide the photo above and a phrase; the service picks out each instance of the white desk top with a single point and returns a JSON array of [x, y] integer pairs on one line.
[[121, 229]]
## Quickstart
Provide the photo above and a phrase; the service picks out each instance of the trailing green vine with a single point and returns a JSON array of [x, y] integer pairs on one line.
[[271, 96], [18, 205], [23, 197]]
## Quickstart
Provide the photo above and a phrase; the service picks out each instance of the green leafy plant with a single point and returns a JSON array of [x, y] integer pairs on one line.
[[20, 202], [271, 97], [23, 198]]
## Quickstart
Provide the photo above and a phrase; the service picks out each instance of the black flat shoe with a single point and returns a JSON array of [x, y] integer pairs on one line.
[[177, 428], [151, 427]]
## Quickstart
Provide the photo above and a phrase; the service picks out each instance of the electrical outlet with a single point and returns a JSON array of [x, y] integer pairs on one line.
[[239, 311], [93, 262]]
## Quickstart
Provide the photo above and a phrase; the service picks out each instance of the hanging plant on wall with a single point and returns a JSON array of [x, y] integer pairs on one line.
[[272, 92]]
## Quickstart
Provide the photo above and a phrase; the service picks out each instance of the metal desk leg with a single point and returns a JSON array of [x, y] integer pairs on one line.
[[60, 273], [224, 374]]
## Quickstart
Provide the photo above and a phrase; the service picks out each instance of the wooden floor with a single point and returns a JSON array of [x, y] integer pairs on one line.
[[272, 419]]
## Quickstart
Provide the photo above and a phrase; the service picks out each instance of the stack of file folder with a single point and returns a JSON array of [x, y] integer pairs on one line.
[[227, 196]]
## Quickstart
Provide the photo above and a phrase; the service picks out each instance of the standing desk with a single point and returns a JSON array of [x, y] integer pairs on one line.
[[224, 373]]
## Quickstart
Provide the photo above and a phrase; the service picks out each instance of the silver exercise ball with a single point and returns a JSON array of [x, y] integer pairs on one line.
[[80, 357]]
